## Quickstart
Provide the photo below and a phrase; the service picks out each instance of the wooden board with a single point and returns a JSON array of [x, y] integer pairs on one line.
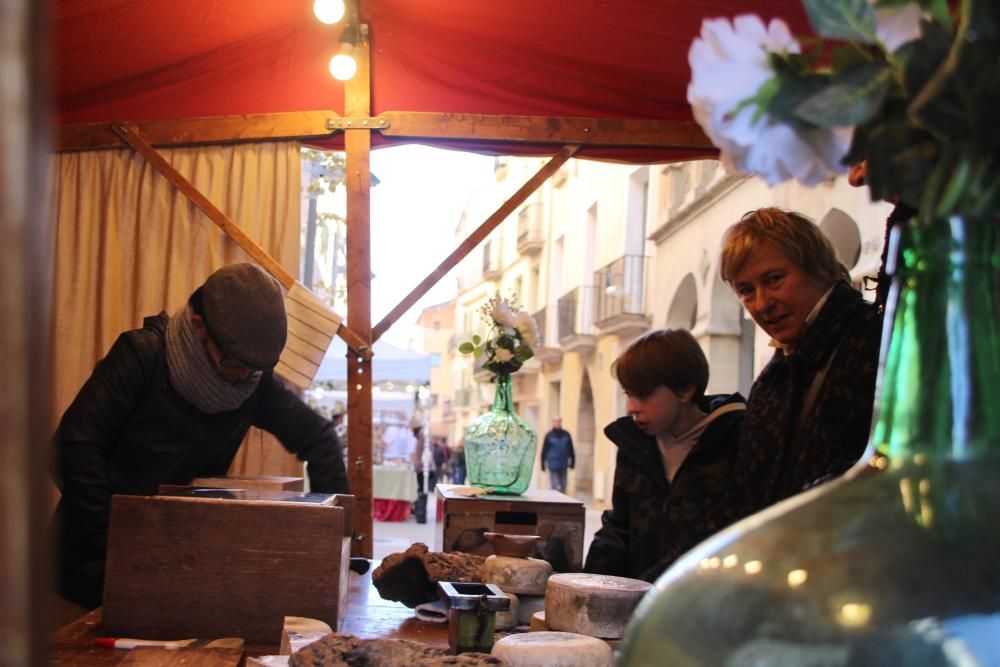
[[182, 567]]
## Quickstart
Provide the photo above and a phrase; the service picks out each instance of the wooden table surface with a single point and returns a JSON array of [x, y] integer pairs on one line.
[[368, 616]]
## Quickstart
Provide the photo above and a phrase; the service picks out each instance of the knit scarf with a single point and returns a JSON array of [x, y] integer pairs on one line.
[[192, 374]]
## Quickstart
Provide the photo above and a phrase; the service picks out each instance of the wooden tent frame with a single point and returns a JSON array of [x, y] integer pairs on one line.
[[357, 124]]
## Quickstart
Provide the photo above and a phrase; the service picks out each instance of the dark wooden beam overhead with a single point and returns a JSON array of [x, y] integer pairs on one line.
[[308, 125], [544, 129], [205, 130]]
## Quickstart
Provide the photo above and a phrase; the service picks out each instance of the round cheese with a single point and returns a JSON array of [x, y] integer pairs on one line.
[[524, 576], [528, 605], [538, 622], [506, 620], [592, 604], [552, 649]]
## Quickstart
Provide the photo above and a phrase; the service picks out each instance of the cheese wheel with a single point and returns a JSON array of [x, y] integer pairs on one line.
[[527, 606], [592, 604], [506, 620], [524, 576], [298, 632], [552, 649], [538, 623]]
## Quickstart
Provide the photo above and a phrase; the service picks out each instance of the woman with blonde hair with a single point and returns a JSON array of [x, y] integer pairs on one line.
[[809, 411]]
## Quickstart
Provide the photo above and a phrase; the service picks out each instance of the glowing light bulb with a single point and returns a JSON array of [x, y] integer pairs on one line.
[[329, 11], [343, 65]]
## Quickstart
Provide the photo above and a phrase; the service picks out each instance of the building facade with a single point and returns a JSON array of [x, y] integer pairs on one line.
[[602, 253]]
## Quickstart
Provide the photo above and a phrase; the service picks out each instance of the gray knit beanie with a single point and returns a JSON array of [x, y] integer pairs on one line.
[[244, 311]]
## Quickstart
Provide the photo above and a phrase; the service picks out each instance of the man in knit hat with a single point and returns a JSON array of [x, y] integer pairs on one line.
[[172, 401]]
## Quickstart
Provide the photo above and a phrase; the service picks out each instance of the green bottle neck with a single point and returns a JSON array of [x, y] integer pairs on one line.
[[503, 398], [939, 384]]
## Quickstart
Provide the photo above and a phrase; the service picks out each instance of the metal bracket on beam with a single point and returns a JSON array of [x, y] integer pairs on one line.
[[357, 123]]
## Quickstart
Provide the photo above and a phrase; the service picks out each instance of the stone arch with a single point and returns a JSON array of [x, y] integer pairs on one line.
[[845, 236], [683, 311]]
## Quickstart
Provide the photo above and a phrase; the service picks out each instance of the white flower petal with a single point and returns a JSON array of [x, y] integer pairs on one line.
[[899, 25]]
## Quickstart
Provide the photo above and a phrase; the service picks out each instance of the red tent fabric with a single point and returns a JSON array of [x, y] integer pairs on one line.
[[154, 59]]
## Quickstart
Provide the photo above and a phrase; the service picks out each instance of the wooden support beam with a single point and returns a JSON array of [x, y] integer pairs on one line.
[[475, 238], [307, 125], [205, 130], [357, 102], [542, 129]]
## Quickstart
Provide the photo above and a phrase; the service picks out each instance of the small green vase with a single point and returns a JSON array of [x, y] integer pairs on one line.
[[500, 446], [895, 566]]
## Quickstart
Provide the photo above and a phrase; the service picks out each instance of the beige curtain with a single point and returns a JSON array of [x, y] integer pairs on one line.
[[128, 245]]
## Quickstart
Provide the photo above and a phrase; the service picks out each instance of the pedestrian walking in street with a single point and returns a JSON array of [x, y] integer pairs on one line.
[[558, 455]]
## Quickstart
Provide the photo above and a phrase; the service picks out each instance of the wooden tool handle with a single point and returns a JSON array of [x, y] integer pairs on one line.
[[130, 135]]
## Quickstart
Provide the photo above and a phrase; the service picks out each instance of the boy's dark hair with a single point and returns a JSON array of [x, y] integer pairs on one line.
[[668, 357]]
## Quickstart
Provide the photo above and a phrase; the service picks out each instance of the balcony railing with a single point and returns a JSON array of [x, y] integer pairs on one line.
[[576, 312], [529, 229], [620, 288]]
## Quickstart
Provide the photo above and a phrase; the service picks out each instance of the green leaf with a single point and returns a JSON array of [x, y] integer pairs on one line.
[[792, 90], [466, 348], [842, 19], [523, 353], [476, 340], [846, 57], [850, 99]]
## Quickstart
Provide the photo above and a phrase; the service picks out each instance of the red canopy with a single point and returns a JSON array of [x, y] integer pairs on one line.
[[159, 59]]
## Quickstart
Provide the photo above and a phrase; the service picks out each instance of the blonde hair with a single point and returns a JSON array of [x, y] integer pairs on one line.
[[793, 234]]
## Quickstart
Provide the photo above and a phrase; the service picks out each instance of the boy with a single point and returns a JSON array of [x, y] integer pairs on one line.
[[676, 451]]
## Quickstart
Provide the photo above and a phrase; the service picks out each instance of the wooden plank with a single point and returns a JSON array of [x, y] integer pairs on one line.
[[475, 238], [206, 656], [357, 101], [203, 130], [306, 125], [543, 129]]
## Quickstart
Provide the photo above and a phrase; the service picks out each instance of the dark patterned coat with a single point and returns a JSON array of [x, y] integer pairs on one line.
[[781, 453], [652, 522]]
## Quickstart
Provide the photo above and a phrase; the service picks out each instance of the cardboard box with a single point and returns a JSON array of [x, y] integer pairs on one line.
[[225, 563], [557, 518]]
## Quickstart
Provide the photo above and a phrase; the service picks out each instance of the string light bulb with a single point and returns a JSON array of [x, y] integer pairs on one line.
[[328, 11], [343, 66]]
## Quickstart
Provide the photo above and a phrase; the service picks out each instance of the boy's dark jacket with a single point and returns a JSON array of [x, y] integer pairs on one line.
[[652, 521]]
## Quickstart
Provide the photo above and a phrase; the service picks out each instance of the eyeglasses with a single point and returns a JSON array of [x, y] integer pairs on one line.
[[228, 362]]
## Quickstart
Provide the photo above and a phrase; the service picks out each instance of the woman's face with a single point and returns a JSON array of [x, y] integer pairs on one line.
[[777, 293]]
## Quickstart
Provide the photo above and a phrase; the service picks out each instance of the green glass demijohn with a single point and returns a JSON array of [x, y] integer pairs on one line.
[[500, 446], [897, 562]]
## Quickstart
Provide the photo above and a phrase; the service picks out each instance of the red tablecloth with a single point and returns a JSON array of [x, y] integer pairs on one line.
[[390, 510]]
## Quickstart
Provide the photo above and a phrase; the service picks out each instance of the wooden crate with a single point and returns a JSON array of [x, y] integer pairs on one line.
[[225, 563], [557, 518]]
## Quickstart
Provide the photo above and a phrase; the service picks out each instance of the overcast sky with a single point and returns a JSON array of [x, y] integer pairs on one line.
[[414, 211]]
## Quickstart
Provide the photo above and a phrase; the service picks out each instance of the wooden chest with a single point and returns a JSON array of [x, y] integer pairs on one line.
[[225, 563], [557, 518]]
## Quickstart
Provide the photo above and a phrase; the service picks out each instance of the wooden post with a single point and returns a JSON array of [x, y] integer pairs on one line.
[[25, 308], [357, 102]]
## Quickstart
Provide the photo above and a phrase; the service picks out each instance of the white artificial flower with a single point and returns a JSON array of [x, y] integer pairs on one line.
[[503, 354], [898, 25], [729, 64], [502, 314], [527, 328]]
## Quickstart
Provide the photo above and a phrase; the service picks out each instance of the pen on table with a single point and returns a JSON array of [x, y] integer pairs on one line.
[[123, 642]]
